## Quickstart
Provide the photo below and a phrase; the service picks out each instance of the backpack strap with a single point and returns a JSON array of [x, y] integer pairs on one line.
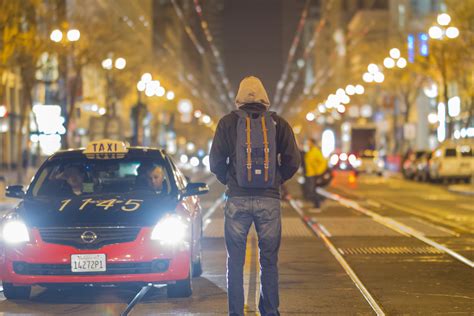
[[249, 150], [266, 150]]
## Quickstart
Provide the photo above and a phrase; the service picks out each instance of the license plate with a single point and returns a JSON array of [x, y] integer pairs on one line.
[[88, 263]]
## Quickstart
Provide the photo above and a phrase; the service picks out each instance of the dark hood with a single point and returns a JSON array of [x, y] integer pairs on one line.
[[46, 212]]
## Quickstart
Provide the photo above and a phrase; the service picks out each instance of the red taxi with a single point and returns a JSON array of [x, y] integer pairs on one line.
[[105, 215]]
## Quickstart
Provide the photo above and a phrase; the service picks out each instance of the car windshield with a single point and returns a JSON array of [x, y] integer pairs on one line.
[[82, 176]]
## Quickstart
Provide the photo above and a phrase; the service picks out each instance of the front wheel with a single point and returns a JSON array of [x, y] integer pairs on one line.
[[12, 292], [182, 288], [197, 268]]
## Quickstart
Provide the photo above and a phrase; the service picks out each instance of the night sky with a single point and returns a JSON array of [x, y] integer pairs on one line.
[[257, 37]]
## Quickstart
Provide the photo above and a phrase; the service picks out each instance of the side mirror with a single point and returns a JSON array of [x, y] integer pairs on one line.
[[197, 188], [15, 191]]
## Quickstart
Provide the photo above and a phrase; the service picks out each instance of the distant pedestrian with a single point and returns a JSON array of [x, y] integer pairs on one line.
[[315, 166], [253, 153]]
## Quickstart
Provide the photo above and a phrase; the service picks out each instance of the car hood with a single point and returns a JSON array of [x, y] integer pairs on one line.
[[116, 210]]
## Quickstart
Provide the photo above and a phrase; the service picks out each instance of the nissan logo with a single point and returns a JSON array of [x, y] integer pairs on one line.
[[88, 237]]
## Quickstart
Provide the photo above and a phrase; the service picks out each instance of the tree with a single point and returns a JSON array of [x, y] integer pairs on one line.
[[22, 47]]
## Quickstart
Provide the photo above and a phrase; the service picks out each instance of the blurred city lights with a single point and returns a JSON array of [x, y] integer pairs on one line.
[[141, 86], [102, 111], [379, 77], [206, 119], [146, 77], [431, 91], [452, 32], [160, 91], [185, 106], [454, 106], [345, 99], [3, 111], [435, 32], [310, 116], [442, 122], [183, 159], [321, 108], [107, 63], [401, 63], [366, 110], [190, 146], [170, 95], [343, 156], [395, 53], [340, 92], [359, 89], [388, 62], [149, 92], [350, 89], [73, 35], [197, 114], [368, 77], [341, 108], [373, 68], [443, 19], [432, 118], [120, 63], [328, 142], [205, 161], [194, 161], [56, 36]]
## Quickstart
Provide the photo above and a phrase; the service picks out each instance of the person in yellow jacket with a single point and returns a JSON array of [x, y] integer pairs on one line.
[[315, 166]]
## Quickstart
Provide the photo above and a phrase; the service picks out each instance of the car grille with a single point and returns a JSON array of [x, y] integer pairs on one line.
[[155, 266], [101, 236]]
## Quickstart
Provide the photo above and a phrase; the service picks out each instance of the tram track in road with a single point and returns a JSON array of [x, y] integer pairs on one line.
[[323, 234], [396, 226]]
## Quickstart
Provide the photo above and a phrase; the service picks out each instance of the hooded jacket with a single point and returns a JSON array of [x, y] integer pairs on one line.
[[252, 98]]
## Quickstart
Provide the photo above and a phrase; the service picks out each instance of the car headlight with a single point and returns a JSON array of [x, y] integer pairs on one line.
[[170, 230], [15, 231]]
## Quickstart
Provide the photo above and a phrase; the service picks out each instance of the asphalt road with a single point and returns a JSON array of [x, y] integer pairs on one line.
[[378, 245]]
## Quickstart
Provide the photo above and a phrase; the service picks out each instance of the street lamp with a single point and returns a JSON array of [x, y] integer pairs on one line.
[[108, 64], [442, 29], [394, 59], [72, 35]]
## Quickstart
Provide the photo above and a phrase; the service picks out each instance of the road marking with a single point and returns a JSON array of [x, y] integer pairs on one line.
[[206, 218], [419, 212], [325, 231], [449, 231], [319, 232], [393, 224]]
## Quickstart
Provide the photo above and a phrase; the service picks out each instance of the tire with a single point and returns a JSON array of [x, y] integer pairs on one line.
[[182, 288], [12, 292], [197, 268]]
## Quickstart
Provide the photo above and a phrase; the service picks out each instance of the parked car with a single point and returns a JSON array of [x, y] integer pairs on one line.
[[452, 160]]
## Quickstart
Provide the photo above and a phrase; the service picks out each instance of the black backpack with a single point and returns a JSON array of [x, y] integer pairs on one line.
[[256, 152]]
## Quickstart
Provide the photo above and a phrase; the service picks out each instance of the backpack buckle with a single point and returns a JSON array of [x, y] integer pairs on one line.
[[249, 166], [249, 150], [267, 150]]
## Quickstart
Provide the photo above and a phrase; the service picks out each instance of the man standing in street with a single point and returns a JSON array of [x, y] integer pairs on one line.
[[254, 151]]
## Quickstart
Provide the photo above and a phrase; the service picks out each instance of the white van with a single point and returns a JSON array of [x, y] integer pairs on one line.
[[452, 160]]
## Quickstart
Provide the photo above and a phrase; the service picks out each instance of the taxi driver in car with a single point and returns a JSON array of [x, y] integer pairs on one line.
[[155, 177], [75, 178]]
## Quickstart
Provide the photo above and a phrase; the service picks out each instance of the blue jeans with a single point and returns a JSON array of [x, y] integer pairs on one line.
[[240, 213]]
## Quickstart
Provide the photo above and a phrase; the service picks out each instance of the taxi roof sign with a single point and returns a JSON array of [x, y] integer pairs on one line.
[[106, 149]]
